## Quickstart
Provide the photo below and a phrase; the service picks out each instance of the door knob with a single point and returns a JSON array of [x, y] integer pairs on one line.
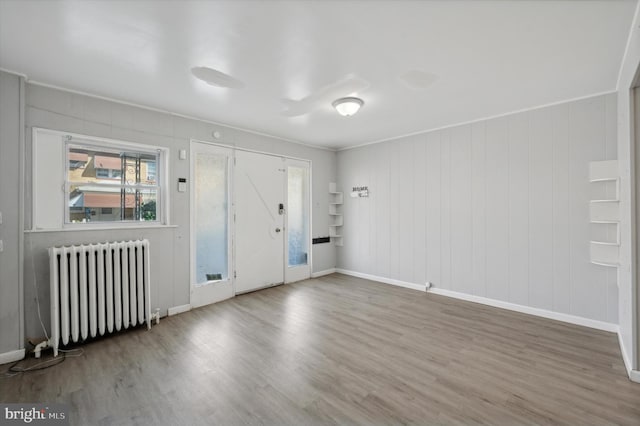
[[277, 229]]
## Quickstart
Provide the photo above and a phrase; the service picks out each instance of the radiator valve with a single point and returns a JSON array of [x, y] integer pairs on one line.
[[39, 347]]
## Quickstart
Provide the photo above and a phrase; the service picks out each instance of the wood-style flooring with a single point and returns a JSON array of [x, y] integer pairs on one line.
[[342, 350]]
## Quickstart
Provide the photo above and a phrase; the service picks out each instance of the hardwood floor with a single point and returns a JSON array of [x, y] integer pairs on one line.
[[343, 350]]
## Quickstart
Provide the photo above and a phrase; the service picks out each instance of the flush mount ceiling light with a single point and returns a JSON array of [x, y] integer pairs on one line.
[[347, 106]]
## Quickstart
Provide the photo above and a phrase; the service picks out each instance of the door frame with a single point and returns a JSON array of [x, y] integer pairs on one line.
[[634, 144], [216, 292], [232, 211]]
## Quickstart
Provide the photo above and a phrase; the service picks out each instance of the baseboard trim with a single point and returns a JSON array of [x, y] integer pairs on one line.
[[323, 273], [634, 375], [11, 356], [384, 280], [178, 309], [571, 319]]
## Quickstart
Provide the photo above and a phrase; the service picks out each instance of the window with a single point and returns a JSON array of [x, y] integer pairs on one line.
[[105, 181], [111, 184], [108, 173], [298, 215]]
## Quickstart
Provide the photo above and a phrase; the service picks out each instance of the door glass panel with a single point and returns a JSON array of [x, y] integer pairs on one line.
[[211, 221], [297, 215]]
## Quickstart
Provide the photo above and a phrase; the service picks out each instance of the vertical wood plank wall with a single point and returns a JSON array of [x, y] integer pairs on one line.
[[497, 208], [10, 232]]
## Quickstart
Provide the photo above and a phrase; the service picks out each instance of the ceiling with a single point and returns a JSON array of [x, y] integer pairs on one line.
[[418, 65]]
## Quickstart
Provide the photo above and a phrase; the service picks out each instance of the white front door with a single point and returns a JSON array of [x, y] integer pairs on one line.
[[259, 220], [210, 224]]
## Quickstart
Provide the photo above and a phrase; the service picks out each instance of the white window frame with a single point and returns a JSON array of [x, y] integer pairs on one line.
[[50, 194]]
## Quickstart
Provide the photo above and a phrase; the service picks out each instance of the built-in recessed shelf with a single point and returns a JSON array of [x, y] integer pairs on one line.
[[612, 265], [605, 232], [605, 243], [602, 252], [604, 210], [336, 198], [603, 180], [603, 170], [604, 213]]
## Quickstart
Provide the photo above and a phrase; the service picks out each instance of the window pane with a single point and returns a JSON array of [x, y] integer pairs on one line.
[[211, 206], [89, 165], [297, 214], [105, 167], [148, 205], [149, 172], [106, 204]]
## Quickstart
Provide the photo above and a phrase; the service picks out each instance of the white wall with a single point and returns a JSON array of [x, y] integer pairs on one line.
[[11, 88], [628, 257], [497, 209], [65, 111]]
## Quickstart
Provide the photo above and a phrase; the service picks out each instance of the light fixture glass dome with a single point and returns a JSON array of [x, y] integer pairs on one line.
[[347, 106]]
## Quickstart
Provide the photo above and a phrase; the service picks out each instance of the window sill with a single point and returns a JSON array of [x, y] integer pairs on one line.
[[100, 228]]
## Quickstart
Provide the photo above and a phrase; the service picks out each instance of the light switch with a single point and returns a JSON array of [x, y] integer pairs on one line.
[[0, 218], [182, 154], [1, 246]]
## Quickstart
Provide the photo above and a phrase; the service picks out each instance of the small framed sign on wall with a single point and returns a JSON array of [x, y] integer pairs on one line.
[[359, 191]]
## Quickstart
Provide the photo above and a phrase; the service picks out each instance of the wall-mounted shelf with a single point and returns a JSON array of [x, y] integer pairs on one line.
[[613, 265], [604, 213], [336, 198], [602, 252], [600, 171]]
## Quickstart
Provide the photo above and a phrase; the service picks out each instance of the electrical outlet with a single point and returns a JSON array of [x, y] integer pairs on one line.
[[1, 246], [0, 218]]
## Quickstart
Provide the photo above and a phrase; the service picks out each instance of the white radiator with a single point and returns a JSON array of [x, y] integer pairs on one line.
[[98, 289]]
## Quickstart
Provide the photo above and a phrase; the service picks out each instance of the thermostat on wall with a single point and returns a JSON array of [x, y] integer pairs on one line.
[[182, 184]]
